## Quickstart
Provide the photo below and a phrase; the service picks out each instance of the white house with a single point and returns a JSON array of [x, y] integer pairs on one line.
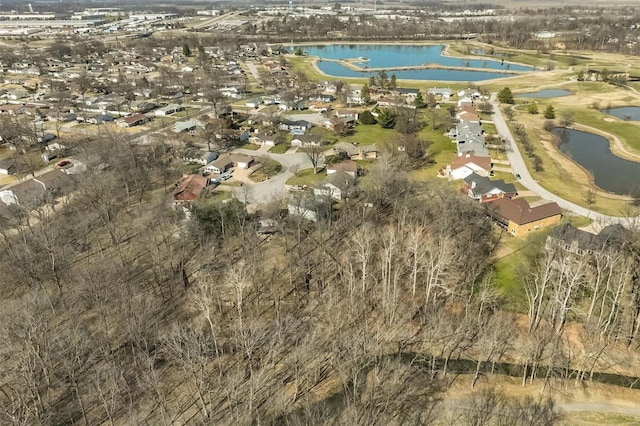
[[168, 110]]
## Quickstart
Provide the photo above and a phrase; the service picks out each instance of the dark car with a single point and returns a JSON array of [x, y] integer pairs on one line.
[[63, 163], [518, 176]]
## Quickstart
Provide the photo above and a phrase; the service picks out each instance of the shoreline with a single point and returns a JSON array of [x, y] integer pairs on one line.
[[316, 68], [350, 63], [564, 160]]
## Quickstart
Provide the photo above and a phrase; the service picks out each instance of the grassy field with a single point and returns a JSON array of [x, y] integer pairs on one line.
[[306, 177], [280, 148], [371, 134], [268, 168], [250, 146]]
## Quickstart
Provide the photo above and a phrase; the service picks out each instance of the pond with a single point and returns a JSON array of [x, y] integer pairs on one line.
[[337, 70], [610, 172], [391, 56], [546, 93], [628, 113]]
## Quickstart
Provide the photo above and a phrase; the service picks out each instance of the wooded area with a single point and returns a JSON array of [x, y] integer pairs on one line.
[[118, 309]]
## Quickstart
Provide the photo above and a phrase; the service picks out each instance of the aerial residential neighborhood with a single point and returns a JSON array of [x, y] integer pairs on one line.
[[289, 213]]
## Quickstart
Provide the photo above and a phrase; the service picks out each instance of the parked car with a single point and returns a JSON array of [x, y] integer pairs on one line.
[[63, 163], [518, 176]]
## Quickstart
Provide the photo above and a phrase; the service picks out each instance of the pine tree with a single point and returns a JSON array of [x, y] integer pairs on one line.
[[387, 119], [550, 113], [418, 102], [366, 96], [505, 96]]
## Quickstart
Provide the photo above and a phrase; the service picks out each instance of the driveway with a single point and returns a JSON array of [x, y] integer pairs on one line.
[[273, 188], [519, 167]]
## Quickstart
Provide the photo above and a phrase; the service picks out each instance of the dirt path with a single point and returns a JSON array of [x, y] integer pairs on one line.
[[590, 398]]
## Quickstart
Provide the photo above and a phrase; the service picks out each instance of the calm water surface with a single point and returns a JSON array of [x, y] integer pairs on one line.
[[631, 113], [610, 172], [546, 93], [335, 69], [389, 56]]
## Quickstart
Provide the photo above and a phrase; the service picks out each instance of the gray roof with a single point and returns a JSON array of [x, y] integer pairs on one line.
[[471, 139], [610, 236], [485, 185]]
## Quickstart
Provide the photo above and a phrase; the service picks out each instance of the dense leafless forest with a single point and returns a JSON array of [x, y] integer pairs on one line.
[[119, 309]]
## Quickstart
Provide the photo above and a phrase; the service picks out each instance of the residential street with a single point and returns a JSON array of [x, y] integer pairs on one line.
[[519, 167], [272, 189]]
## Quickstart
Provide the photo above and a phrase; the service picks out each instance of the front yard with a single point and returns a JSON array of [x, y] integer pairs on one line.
[[306, 177]]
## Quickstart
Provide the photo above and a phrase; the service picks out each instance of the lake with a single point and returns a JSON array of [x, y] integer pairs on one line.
[[610, 172], [546, 93], [630, 113], [390, 56]]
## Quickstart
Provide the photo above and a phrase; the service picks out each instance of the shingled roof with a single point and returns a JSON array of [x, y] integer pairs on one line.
[[520, 212], [190, 188]]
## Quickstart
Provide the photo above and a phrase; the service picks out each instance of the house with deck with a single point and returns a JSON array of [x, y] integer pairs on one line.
[[519, 218]]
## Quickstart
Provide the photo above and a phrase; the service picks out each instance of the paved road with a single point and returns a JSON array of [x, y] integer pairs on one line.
[[519, 167], [272, 189]]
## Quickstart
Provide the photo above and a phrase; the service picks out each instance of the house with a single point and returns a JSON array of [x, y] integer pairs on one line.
[[240, 135], [142, 107], [349, 167], [264, 138], [132, 120], [197, 156], [168, 110], [468, 113], [36, 189], [297, 127], [302, 211], [465, 165], [519, 218], [406, 92], [322, 97], [190, 188], [581, 243], [221, 165], [320, 107], [338, 186], [332, 123], [100, 119], [470, 139], [307, 141], [242, 161], [55, 114], [12, 109], [187, 126], [357, 152], [253, 103], [444, 93], [483, 189], [7, 167]]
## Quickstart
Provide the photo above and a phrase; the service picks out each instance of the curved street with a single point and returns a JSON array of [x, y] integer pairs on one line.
[[273, 188], [519, 167]]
